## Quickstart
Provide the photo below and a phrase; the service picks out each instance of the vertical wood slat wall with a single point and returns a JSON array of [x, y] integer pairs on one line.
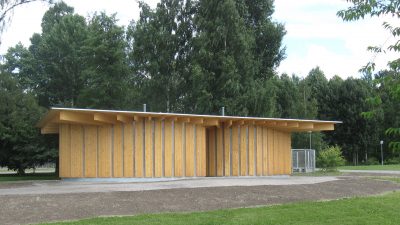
[[249, 150], [144, 148], [165, 148]]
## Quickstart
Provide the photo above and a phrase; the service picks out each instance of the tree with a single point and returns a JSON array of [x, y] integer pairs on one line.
[[359, 10], [161, 50], [21, 146], [345, 101], [106, 73], [58, 54]]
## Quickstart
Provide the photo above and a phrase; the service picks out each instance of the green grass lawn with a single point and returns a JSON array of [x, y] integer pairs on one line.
[[367, 210], [28, 176], [371, 167]]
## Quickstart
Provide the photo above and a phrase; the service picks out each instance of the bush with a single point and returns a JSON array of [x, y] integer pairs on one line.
[[395, 160], [372, 161], [330, 158]]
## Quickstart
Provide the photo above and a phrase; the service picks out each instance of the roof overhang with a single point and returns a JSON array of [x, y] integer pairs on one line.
[[50, 122]]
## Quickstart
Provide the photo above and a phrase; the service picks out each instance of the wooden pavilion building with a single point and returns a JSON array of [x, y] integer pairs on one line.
[[116, 144]]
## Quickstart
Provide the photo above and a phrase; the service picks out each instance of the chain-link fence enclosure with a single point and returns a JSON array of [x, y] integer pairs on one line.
[[303, 160]]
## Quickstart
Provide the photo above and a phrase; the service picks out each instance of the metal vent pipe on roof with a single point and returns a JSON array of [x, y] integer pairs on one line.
[[144, 108], [223, 111]]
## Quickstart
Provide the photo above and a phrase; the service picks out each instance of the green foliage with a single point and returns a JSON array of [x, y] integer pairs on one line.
[[391, 78], [330, 158], [21, 145], [213, 54], [106, 64], [392, 161], [372, 161]]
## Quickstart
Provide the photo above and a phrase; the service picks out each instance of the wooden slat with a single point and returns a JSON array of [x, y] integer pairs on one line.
[[243, 150], [227, 149], [76, 151], [149, 148], [139, 148], [204, 153], [280, 153], [118, 151], [200, 149], [251, 150], [178, 149], [65, 150], [235, 150], [276, 153], [105, 151], [189, 156], [220, 152], [287, 159], [90, 151], [289, 153], [158, 149], [168, 148], [211, 152], [265, 151], [259, 151], [270, 146], [128, 150]]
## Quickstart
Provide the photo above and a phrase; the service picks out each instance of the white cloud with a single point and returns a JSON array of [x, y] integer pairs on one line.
[[27, 18], [316, 20]]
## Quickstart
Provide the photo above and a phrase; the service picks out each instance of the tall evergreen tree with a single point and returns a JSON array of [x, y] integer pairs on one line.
[[105, 74]]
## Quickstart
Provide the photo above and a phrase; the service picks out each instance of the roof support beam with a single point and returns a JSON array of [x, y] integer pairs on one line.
[[124, 119], [306, 126], [211, 122], [80, 118], [324, 126], [184, 119], [105, 118], [292, 124], [228, 123], [197, 120], [238, 122]]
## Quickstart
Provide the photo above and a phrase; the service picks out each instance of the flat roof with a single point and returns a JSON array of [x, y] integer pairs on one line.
[[49, 123]]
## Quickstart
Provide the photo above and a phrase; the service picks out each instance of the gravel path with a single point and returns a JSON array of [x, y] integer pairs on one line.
[[35, 208], [83, 186]]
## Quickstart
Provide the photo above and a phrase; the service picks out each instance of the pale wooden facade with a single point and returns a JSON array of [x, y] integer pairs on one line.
[[96, 143]]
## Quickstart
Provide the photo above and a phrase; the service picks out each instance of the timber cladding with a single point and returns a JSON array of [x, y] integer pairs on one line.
[[166, 148], [247, 150], [145, 148], [116, 144]]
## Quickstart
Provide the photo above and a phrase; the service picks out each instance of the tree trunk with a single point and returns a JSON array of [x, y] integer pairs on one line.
[[20, 171], [57, 167]]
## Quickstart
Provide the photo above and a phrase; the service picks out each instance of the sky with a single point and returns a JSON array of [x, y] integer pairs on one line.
[[315, 35]]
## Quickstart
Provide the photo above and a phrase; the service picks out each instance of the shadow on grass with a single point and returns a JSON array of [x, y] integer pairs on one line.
[[28, 176], [319, 173]]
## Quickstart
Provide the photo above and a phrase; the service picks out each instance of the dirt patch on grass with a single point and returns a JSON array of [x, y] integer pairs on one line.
[[22, 209]]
